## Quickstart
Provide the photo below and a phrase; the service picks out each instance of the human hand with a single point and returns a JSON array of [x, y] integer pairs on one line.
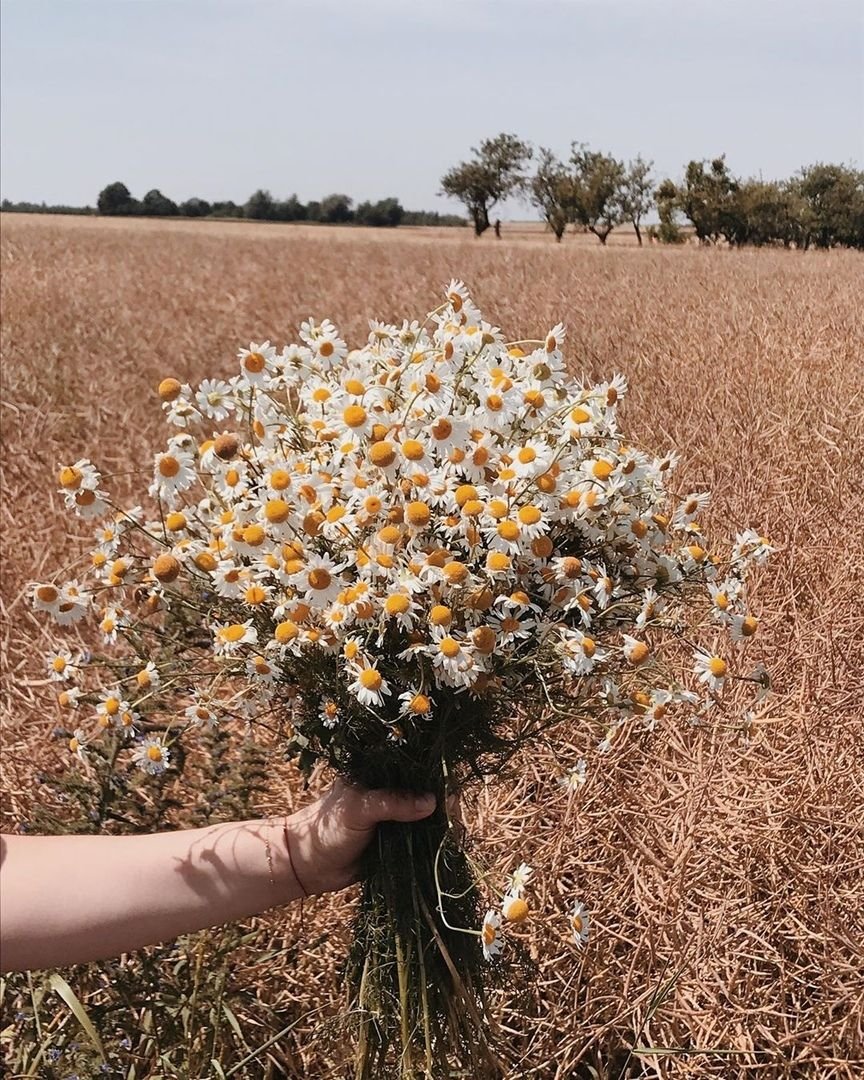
[[328, 837]]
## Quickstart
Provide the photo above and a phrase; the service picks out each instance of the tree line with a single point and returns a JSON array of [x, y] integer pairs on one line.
[[821, 206], [116, 200]]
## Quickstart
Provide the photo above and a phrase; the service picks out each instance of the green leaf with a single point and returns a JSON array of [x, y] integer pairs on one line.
[[61, 987]]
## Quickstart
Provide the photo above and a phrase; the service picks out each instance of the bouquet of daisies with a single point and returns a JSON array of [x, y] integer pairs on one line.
[[412, 558]]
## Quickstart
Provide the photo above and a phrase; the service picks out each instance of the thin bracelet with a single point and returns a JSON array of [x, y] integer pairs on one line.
[[290, 859], [268, 851]]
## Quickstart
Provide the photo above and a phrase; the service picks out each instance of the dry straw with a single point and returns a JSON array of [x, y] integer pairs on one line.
[[726, 880]]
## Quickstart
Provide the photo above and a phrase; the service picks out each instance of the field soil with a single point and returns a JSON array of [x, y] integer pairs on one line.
[[722, 867]]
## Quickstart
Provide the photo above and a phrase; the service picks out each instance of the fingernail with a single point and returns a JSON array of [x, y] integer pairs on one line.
[[423, 804]]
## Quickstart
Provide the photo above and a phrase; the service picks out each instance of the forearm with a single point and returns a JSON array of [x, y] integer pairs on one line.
[[71, 899]]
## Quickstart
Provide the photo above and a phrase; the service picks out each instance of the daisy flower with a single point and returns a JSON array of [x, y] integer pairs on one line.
[[742, 627], [148, 677], [61, 666], [711, 670], [78, 745], [201, 714], [173, 473], [490, 935], [151, 755], [228, 637], [214, 399], [580, 923], [413, 702], [369, 686], [514, 908], [576, 778], [256, 362], [519, 880]]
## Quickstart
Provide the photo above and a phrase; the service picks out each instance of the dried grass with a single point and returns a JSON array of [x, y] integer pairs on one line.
[[725, 875]]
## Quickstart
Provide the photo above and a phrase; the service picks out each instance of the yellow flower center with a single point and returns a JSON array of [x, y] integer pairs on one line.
[[232, 633], [370, 679], [579, 415], [442, 429], [326, 348], [455, 572], [319, 578], [749, 625], [529, 515], [639, 652], [169, 389], [420, 705], [168, 466], [154, 753], [589, 646], [254, 363], [397, 604], [418, 514], [166, 568], [354, 416], [255, 595], [516, 911], [355, 387], [254, 535], [175, 521], [69, 478], [718, 667], [112, 706], [449, 647], [489, 934], [205, 561], [509, 530], [602, 469], [526, 455], [286, 631], [382, 454], [498, 561]]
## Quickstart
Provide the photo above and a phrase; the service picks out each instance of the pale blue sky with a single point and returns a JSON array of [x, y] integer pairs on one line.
[[378, 97]]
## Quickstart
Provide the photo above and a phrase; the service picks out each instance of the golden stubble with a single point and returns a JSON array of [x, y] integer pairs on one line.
[[731, 863]]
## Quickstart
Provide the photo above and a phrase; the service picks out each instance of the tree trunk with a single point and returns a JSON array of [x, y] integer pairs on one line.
[[638, 233]]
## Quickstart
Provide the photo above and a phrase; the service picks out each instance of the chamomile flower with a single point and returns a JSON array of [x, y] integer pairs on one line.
[[151, 755], [214, 399], [61, 667], [369, 686], [201, 714], [490, 935], [229, 637], [580, 924], [519, 880], [711, 669], [575, 779], [173, 473], [413, 702], [742, 627], [514, 907], [78, 745]]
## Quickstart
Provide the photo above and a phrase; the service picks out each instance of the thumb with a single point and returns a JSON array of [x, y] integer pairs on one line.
[[383, 805]]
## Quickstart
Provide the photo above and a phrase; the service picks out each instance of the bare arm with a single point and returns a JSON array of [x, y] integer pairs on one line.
[[71, 899]]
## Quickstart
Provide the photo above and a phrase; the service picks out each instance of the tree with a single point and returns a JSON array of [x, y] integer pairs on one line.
[[667, 207], [155, 204], [636, 193], [227, 208], [597, 179], [115, 200], [831, 208], [260, 206], [552, 191], [707, 197], [336, 209], [313, 210], [195, 207], [291, 209], [496, 171], [385, 213]]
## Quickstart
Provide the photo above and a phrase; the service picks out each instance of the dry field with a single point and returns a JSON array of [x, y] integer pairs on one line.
[[725, 873]]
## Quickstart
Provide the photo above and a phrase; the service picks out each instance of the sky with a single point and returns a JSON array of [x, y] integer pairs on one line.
[[216, 98]]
